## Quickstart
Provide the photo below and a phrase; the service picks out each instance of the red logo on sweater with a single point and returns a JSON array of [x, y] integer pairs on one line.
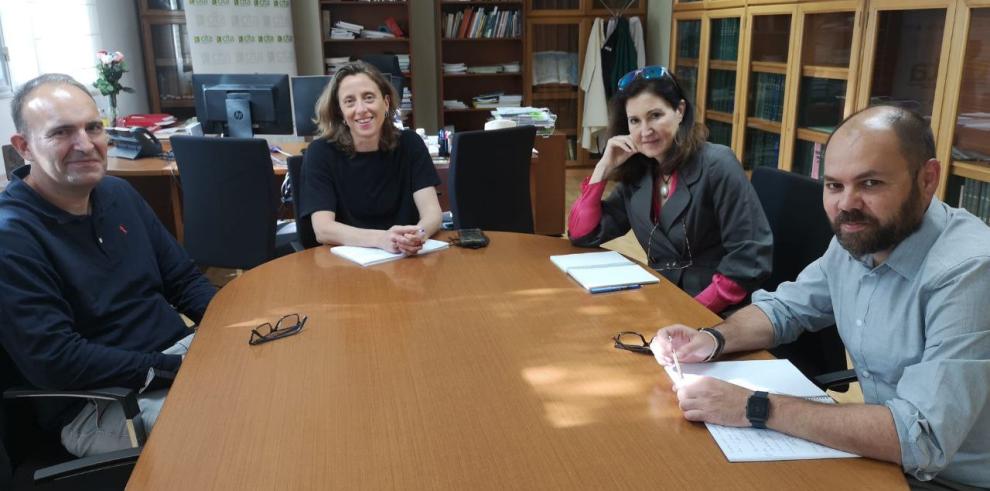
[[123, 229]]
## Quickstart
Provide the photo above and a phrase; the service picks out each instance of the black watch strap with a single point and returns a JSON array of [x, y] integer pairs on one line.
[[758, 409]]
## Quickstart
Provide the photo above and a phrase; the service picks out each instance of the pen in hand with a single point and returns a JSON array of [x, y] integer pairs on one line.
[[677, 363]]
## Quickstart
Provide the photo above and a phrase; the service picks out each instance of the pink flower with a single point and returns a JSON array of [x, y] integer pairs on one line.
[[118, 57]]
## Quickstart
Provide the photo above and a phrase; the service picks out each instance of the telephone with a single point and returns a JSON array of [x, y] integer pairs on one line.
[[133, 143]]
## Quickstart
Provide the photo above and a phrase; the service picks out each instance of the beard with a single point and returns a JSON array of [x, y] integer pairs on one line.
[[877, 236]]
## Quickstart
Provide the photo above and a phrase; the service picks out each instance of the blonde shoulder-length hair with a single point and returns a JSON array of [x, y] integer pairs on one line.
[[330, 116]]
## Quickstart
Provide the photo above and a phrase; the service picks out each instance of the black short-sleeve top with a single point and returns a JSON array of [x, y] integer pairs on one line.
[[370, 190]]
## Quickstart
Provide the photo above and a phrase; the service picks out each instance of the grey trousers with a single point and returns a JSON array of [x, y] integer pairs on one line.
[[100, 427]]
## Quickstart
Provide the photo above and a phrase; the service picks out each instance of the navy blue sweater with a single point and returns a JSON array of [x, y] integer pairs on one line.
[[90, 301]]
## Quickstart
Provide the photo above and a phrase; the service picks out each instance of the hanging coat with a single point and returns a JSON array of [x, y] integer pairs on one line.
[[594, 119], [618, 56]]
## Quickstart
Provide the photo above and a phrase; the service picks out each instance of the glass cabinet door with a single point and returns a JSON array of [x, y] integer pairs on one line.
[[168, 66], [824, 92], [539, 8], [718, 102], [904, 58], [556, 73], [765, 85], [687, 48], [968, 185]]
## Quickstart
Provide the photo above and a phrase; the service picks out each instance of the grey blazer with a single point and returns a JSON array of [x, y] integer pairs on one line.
[[715, 205]]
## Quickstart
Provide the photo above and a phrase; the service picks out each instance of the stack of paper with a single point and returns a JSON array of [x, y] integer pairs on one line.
[[775, 377], [403, 62], [512, 67], [369, 256], [372, 34], [510, 100], [334, 63], [454, 104], [600, 272], [484, 69], [454, 68], [485, 100]]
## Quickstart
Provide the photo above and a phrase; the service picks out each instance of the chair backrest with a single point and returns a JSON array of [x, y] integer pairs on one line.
[[801, 234], [387, 64], [228, 199], [304, 226], [489, 179], [11, 160]]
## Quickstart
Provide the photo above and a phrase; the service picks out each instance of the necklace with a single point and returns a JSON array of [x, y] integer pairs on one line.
[[665, 185]]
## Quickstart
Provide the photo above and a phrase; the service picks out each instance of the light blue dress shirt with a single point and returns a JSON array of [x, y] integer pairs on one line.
[[917, 328]]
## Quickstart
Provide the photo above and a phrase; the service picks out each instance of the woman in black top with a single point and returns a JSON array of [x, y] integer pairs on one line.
[[364, 182]]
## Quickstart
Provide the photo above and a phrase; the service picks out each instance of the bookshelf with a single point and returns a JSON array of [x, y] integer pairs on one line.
[[463, 39], [371, 16], [832, 58], [557, 33], [168, 64]]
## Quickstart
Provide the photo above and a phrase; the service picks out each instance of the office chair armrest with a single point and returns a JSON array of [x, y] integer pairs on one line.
[[126, 397], [833, 379], [103, 463]]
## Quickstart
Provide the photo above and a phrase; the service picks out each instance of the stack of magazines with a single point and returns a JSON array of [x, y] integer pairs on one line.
[[541, 117]]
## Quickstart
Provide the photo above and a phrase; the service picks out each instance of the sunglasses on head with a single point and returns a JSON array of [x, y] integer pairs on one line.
[[651, 72]]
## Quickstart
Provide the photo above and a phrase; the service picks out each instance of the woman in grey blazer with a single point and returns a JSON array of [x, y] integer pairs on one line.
[[688, 201]]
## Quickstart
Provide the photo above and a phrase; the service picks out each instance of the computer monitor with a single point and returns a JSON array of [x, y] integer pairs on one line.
[[241, 105], [305, 92], [307, 89]]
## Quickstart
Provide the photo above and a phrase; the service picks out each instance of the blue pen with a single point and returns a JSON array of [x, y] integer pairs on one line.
[[607, 289]]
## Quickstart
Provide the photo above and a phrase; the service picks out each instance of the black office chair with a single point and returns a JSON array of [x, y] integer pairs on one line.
[[801, 234], [304, 226], [387, 64], [488, 179], [228, 199], [32, 458], [11, 161]]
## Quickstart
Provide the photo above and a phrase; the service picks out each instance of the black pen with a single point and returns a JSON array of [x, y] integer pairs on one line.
[[607, 289]]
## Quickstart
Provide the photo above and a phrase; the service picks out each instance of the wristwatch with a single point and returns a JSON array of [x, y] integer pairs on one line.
[[758, 409]]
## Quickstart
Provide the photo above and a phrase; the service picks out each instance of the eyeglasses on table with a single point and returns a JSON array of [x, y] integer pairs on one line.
[[285, 327], [632, 341]]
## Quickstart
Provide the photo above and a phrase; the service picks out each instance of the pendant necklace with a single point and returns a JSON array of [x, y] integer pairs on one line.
[[665, 185]]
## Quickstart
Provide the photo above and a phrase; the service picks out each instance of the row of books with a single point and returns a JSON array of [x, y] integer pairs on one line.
[[555, 67], [974, 196], [769, 102], [762, 149], [405, 105], [481, 23], [725, 39], [496, 99], [463, 68], [349, 30], [722, 91], [687, 77], [719, 132], [688, 38]]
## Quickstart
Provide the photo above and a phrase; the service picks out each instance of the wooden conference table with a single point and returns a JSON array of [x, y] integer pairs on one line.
[[546, 184], [462, 369]]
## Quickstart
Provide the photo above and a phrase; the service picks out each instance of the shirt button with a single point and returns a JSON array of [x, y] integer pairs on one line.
[[859, 322], [866, 374]]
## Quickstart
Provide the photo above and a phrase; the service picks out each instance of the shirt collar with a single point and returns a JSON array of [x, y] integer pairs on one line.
[[907, 257], [100, 198]]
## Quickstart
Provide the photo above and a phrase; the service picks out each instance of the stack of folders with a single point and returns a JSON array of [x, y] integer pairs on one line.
[[601, 272], [772, 376], [370, 256]]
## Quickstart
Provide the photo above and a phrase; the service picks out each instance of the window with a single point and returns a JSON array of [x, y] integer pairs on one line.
[[50, 36], [5, 86]]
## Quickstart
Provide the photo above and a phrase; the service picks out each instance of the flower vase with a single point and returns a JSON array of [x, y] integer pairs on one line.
[[113, 110]]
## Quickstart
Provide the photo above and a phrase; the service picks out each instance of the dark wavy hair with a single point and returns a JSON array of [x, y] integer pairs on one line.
[[330, 116], [687, 141]]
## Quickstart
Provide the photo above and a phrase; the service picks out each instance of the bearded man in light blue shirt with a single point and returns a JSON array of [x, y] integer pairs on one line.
[[906, 280]]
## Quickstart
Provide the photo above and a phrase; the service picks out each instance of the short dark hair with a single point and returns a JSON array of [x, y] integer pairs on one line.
[[688, 140], [914, 133], [330, 117], [22, 93]]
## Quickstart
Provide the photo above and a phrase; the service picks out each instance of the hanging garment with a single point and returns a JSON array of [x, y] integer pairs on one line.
[[636, 31], [595, 116], [618, 56]]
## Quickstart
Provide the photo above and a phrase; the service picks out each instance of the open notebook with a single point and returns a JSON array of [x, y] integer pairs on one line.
[[603, 271], [758, 445], [369, 256]]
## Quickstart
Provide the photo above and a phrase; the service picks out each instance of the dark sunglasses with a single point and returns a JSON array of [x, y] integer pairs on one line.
[[651, 72]]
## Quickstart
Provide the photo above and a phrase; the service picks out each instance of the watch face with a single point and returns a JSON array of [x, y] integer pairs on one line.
[[758, 409]]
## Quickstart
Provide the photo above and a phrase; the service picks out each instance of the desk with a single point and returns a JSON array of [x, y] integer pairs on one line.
[[546, 184], [462, 369]]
